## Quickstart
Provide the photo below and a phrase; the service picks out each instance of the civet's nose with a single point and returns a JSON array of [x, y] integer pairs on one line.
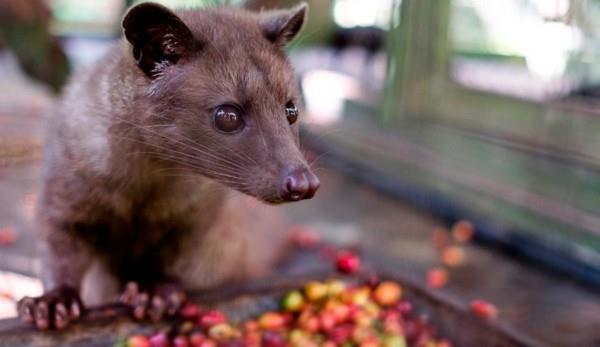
[[299, 184]]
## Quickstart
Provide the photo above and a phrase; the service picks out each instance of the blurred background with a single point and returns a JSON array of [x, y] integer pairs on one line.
[[421, 114]]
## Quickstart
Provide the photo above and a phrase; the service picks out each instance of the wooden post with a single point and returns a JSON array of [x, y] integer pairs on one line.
[[418, 57]]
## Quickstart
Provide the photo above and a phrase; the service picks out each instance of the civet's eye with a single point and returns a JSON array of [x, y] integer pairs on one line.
[[291, 112], [228, 119]]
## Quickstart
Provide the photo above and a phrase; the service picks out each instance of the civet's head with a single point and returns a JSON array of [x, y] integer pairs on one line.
[[224, 98]]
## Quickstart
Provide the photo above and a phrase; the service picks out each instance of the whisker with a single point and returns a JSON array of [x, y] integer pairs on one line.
[[177, 159], [208, 173], [194, 146], [184, 154]]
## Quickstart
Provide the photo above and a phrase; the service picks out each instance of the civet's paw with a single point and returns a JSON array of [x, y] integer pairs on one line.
[[162, 300], [55, 309]]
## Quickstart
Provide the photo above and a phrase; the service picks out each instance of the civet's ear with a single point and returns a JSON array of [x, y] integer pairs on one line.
[[280, 27], [157, 35]]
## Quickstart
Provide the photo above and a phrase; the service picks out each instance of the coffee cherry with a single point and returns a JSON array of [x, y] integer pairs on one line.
[[251, 326], [404, 307], [252, 339], [387, 293], [394, 341], [309, 322], [273, 339], [347, 262], [180, 341], [340, 334], [189, 311], [293, 301], [340, 311], [453, 256], [210, 318], [138, 341], [463, 231], [335, 288], [437, 277], [197, 339], [186, 327], [326, 321], [298, 337], [484, 309], [370, 343], [271, 321], [159, 340], [363, 334], [315, 291], [221, 331], [361, 296]]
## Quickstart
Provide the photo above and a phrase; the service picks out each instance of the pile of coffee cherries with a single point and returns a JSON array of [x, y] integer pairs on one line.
[[329, 314]]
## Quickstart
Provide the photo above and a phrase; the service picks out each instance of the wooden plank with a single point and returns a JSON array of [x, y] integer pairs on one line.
[[507, 185], [545, 124]]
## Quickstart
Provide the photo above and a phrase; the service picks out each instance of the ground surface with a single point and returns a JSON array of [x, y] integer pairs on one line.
[[550, 308]]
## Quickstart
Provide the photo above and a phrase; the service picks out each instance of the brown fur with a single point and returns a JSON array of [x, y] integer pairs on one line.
[[140, 186]]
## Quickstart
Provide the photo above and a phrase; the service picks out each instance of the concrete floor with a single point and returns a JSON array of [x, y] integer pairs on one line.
[[548, 307]]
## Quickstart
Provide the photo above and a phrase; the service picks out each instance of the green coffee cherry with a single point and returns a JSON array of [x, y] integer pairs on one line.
[[292, 301]]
